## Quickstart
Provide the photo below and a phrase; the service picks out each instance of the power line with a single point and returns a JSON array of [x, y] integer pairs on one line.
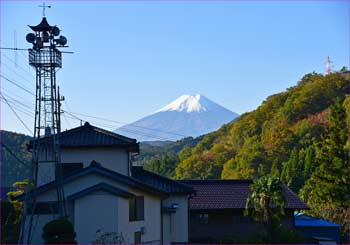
[[20, 109], [73, 114], [119, 122], [12, 70], [113, 127], [11, 60], [18, 117], [14, 155], [17, 85], [26, 105], [18, 97]]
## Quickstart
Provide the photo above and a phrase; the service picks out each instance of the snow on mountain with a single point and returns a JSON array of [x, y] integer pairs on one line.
[[191, 103], [188, 115]]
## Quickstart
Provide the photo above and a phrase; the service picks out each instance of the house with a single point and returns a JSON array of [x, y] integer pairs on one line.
[[106, 193], [216, 209], [319, 230]]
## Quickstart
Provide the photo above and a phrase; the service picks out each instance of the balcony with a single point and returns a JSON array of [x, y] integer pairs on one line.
[[46, 57]]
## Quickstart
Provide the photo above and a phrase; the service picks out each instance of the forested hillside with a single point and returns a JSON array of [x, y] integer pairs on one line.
[[287, 129], [163, 158], [300, 135], [15, 159]]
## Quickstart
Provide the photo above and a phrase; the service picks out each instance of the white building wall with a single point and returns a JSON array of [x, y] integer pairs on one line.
[[109, 212], [94, 212], [111, 158], [175, 225], [151, 222]]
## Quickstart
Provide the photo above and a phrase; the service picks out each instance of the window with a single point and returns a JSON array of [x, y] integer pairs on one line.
[[43, 208], [136, 208], [137, 237], [203, 218], [68, 168]]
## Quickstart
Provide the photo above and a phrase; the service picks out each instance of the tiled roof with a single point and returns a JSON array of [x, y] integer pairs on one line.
[[88, 135], [222, 194], [160, 182]]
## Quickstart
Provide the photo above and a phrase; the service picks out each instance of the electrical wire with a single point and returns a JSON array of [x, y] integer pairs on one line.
[[17, 85], [119, 122], [18, 117], [19, 75], [11, 60]]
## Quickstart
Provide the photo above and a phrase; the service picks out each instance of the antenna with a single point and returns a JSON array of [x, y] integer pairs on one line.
[[44, 7], [328, 65]]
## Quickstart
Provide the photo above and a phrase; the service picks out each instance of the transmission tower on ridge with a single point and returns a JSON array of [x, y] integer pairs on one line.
[[328, 65], [46, 59]]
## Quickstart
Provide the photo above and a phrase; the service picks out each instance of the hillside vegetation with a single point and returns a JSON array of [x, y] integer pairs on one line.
[[15, 159], [300, 135], [286, 129]]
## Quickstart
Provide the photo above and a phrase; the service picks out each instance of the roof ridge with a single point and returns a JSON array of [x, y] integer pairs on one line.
[[110, 133], [163, 177], [195, 181]]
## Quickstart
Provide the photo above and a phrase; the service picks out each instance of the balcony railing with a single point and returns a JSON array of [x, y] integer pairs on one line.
[[47, 57]]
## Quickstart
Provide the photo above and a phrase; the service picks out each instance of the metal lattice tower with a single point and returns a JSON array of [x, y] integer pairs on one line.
[[328, 65], [46, 59]]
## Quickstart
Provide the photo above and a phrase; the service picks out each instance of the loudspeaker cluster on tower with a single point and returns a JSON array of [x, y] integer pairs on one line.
[[46, 58]]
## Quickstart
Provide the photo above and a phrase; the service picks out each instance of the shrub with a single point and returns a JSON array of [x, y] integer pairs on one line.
[[60, 231], [10, 222]]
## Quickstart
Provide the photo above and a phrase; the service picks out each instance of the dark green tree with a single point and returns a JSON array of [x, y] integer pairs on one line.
[[329, 185], [59, 231], [330, 182], [266, 202]]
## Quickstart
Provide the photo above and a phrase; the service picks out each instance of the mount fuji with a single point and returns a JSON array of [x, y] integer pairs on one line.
[[188, 115]]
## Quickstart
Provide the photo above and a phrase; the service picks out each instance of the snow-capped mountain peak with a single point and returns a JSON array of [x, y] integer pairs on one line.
[[190, 103], [188, 115]]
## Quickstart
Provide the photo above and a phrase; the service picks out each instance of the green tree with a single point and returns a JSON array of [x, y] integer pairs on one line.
[[266, 202], [329, 185], [330, 182]]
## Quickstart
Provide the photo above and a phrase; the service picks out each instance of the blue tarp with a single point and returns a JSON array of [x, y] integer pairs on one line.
[[305, 220]]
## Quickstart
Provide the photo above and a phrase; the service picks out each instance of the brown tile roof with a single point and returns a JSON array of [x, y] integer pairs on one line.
[[224, 194]]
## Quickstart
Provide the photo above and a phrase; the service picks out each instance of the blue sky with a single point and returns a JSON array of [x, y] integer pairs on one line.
[[132, 58]]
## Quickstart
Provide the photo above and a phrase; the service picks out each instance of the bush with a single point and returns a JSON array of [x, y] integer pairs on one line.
[[286, 236], [60, 231], [10, 222]]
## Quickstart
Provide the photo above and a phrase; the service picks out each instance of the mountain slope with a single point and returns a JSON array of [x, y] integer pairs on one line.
[[281, 137], [14, 167], [188, 115]]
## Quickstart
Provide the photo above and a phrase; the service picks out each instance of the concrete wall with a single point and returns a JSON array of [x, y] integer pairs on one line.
[[175, 225], [112, 158]]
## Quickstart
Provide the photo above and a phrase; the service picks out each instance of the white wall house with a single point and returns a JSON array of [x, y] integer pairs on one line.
[[106, 193]]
